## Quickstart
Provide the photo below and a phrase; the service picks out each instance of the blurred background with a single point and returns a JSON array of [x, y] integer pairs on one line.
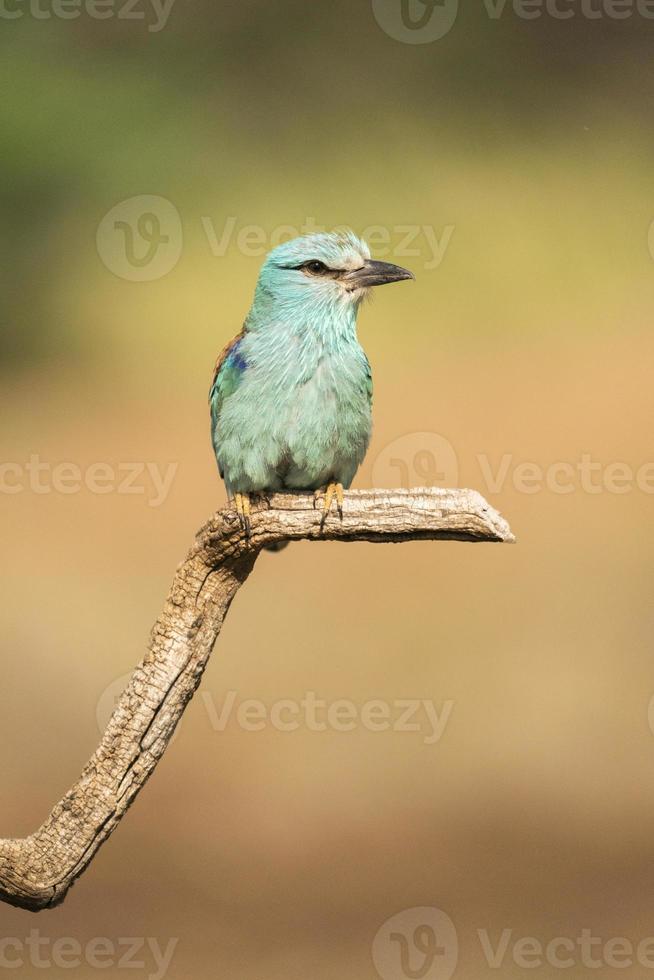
[[151, 156]]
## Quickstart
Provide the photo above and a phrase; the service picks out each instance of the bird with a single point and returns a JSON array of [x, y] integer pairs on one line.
[[291, 394]]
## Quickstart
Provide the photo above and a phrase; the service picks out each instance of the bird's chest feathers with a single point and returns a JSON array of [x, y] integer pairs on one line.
[[301, 414], [304, 369]]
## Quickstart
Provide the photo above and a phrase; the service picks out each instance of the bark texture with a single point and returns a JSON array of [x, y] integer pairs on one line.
[[36, 872]]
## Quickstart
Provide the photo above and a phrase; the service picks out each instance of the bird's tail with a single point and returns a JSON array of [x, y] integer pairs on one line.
[[278, 546]]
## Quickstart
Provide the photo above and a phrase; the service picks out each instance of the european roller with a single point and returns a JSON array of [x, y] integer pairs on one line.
[[291, 395]]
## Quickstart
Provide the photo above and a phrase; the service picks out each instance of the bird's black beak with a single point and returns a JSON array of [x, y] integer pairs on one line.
[[375, 274]]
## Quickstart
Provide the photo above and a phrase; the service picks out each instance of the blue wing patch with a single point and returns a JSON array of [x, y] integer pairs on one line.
[[228, 374]]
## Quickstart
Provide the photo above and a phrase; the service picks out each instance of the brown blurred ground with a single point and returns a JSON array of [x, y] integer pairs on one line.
[[280, 854]]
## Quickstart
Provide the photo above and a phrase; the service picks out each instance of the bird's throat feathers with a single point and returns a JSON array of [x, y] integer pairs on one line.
[[305, 317]]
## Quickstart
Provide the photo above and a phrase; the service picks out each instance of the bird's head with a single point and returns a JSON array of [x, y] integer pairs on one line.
[[326, 269]]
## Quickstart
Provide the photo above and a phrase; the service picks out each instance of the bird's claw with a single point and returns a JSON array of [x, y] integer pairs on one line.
[[332, 490], [242, 502], [340, 497]]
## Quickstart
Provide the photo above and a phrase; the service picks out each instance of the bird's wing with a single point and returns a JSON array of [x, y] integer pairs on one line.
[[227, 376], [230, 351]]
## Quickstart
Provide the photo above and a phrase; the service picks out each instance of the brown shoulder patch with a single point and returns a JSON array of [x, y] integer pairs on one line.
[[224, 354]]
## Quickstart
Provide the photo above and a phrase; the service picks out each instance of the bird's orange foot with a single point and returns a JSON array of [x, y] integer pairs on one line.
[[242, 502], [332, 491]]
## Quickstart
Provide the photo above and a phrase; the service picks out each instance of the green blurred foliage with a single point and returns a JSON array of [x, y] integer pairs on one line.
[[272, 112]]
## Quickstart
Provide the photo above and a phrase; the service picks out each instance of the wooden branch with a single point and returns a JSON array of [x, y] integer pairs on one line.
[[36, 872]]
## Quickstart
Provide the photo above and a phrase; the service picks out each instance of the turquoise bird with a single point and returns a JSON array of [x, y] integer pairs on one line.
[[291, 394]]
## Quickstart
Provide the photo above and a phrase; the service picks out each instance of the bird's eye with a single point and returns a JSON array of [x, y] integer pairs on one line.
[[318, 268]]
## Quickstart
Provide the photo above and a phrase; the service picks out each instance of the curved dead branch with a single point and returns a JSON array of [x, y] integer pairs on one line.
[[37, 871]]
